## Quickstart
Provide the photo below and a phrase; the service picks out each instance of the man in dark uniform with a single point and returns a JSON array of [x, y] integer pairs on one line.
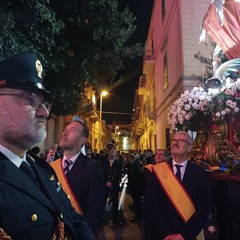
[[33, 205], [112, 168]]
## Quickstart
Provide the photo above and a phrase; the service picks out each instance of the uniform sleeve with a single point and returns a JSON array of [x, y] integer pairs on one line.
[[81, 227]]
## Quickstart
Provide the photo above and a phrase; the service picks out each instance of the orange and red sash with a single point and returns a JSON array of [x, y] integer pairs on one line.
[[149, 167], [175, 191], [57, 166]]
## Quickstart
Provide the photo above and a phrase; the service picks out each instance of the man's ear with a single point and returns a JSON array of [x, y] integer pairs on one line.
[[190, 147], [82, 140]]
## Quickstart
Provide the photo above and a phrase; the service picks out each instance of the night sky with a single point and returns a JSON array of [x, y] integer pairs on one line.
[[121, 99]]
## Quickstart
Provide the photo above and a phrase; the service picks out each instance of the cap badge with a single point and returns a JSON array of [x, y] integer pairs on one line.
[[39, 68]]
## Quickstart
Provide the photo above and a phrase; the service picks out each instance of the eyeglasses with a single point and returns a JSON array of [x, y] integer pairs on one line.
[[36, 100], [180, 141]]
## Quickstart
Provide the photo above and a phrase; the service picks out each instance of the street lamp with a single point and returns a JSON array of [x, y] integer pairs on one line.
[[103, 94]]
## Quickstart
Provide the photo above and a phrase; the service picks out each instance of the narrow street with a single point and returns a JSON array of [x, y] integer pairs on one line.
[[132, 230], [127, 231]]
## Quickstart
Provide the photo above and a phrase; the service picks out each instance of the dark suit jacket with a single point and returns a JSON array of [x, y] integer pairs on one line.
[[112, 174], [166, 219], [87, 183], [21, 198]]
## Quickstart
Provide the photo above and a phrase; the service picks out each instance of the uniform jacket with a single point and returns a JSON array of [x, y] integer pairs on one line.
[[112, 173], [30, 212], [87, 183], [164, 216]]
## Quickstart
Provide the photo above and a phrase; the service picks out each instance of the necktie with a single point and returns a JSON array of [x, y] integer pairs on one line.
[[67, 164], [178, 173], [27, 169]]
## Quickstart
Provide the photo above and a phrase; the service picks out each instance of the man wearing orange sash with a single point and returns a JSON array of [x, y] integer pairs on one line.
[[179, 196], [148, 211], [81, 177]]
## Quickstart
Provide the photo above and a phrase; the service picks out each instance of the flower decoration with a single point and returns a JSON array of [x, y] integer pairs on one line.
[[227, 101], [197, 105], [185, 109]]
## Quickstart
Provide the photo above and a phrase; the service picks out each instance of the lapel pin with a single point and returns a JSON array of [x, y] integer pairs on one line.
[[58, 187], [52, 178]]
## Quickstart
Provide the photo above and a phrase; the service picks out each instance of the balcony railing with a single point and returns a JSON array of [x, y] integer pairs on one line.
[[149, 109], [142, 85], [149, 61]]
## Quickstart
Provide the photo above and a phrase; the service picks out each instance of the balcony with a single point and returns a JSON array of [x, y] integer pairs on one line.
[[149, 61], [138, 126], [142, 85], [149, 109], [138, 129], [141, 125], [138, 132]]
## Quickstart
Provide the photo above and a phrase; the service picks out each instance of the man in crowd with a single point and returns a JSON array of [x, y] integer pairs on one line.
[[89, 152], [82, 177], [179, 196], [32, 202], [135, 185], [95, 154], [147, 157], [148, 211], [159, 156], [112, 168], [54, 153]]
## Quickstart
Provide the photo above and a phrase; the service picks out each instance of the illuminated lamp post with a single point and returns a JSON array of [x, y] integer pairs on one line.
[[103, 94]]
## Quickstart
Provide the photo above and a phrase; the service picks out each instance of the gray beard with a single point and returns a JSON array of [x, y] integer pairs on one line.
[[26, 140]]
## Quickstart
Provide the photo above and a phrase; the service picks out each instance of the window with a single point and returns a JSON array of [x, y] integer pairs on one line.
[[165, 71], [163, 9], [152, 47]]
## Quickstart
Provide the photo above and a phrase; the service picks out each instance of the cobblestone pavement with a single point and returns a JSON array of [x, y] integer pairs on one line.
[[127, 231], [131, 230]]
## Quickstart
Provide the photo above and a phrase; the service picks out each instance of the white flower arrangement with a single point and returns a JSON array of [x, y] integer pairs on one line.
[[197, 104], [189, 103], [227, 101]]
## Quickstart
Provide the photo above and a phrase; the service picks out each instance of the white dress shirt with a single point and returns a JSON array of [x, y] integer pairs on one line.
[[183, 168]]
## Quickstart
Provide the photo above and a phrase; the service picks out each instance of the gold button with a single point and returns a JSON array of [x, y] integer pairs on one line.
[[68, 196], [34, 217]]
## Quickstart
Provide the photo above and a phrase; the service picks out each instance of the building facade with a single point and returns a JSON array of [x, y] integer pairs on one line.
[[169, 68], [89, 112]]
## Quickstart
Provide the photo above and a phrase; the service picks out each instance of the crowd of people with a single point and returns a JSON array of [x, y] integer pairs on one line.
[[65, 194], [94, 182], [139, 167], [153, 203]]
